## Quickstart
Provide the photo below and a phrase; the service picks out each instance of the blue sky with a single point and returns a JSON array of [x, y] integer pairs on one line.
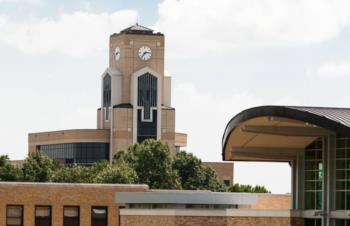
[[224, 56]]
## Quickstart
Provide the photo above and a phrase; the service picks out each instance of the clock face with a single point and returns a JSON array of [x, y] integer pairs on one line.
[[145, 53], [117, 53]]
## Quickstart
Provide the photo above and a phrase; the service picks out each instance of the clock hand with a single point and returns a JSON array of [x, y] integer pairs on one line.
[[145, 53]]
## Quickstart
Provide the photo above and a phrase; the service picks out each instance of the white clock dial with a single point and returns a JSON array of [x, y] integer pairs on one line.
[[117, 53], [145, 53]]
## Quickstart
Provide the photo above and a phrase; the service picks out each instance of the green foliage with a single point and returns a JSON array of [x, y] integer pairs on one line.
[[38, 167], [247, 188], [193, 175], [149, 162], [8, 172], [73, 174], [152, 163], [121, 173]]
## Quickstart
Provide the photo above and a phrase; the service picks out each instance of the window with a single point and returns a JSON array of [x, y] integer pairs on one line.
[[312, 222], [313, 175], [14, 215], [80, 153], [71, 215], [227, 182], [99, 216], [342, 222], [43, 216], [342, 175], [107, 95], [147, 95]]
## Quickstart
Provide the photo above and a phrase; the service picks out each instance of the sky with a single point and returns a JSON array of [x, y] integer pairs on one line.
[[224, 56]]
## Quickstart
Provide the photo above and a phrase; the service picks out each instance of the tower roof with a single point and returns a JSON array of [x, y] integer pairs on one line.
[[137, 29]]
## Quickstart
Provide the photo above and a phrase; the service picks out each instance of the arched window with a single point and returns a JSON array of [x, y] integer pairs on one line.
[[147, 94], [106, 95]]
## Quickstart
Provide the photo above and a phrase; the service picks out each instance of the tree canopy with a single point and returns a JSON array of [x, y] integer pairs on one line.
[[152, 163], [149, 162], [8, 172]]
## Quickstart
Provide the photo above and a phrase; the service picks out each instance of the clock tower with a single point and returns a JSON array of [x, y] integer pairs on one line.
[[136, 96]]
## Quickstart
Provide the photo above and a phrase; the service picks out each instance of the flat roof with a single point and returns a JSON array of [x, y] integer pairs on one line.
[[185, 197]]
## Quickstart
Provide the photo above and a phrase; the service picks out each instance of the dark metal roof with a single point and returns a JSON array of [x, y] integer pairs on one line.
[[333, 119], [137, 29], [123, 105]]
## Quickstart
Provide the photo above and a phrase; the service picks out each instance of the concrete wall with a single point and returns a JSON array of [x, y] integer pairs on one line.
[[59, 195]]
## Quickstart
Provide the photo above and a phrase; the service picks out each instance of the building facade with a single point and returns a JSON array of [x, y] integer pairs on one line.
[[135, 104], [54, 204], [316, 143]]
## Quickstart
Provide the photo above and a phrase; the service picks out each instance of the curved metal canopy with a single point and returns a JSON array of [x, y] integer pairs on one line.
[[275, 123]]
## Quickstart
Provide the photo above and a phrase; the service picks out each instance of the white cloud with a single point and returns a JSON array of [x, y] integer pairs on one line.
[[77, 34], [335, 70], [204, 116], [204, 27]]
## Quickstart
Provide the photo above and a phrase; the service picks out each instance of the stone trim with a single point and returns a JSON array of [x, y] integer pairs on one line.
[[209, 212]]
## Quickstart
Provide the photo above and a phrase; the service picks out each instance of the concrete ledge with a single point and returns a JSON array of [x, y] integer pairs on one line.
[[185, 197], [209, 212], [72, 185]]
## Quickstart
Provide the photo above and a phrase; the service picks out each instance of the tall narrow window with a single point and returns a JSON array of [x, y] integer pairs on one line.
[[342, 173], [14, 215], [71, 216], [43, 216], [313, 176], [107, 95], [147, 95], [99, 216]]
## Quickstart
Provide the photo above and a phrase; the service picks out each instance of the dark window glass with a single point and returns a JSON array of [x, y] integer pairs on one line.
[[99, 216], [147, 95], [146, 130], [342, 174], [71, 216], [227, 182], [313, 184], [107, 95], [43, 216], [14, 215], [81, 153], [312, 222], [342, 222]]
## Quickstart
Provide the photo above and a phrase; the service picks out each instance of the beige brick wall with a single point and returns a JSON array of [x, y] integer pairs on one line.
[[122, 129], [59, 195], [224, 170], [259, 221], [272, 201], [168, 127]]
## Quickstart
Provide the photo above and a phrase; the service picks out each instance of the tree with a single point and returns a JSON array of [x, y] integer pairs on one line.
[[121, 173], [247, 188], [73, 174], [193, 175], [152, 163], [38, 167], [8, 172]]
